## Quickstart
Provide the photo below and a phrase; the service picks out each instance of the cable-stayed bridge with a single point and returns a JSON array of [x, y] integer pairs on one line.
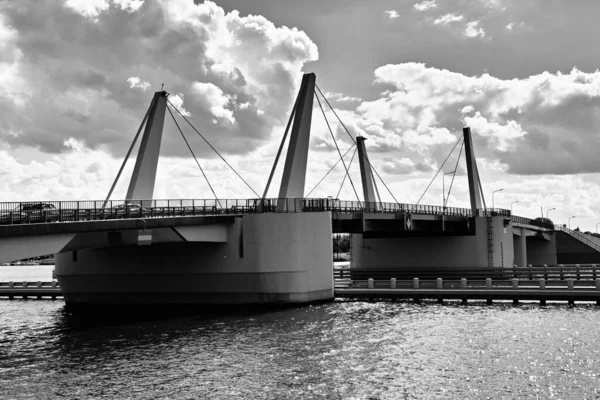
[[142, 250]]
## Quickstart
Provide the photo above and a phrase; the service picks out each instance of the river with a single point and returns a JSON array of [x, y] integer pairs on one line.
[[338, 350]]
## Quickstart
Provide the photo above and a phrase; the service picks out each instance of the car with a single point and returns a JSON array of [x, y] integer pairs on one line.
[[129, 210], [12, 217], [39, 212]]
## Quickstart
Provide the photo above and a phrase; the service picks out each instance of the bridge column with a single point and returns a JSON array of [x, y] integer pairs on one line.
[[475, 190], [520, 248], [141, 186], [366, 175], [294, 172]]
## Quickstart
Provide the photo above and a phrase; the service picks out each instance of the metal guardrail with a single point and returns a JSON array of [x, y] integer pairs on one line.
[[529, 221], [14, 213], [556, 272], [579, 236]]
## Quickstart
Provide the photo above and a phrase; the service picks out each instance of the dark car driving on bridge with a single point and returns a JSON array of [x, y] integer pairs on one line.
[[36, 212], [129, 210]]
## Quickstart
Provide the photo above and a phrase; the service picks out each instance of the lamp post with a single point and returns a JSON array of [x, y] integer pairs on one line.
[[570, 218], [499, 190], [548, 212], [511, 204], [444, 188]]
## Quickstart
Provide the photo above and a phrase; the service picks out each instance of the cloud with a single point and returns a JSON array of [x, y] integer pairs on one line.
[[545, 123], [99, 72], [424, 5], [392, 14], [473, 30], [135, 82], [214, 99], [510, 26], [448, 18]]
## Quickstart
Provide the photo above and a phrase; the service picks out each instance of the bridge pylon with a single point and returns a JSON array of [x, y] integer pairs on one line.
[[294, 171], [366, 175], [475, 189], [143, 177]]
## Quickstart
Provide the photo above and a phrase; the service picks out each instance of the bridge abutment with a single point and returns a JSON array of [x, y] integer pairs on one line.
[[267, 259]]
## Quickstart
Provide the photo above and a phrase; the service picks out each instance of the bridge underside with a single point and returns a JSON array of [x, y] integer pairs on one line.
[[377, 225], [33, 240], [488, 244]]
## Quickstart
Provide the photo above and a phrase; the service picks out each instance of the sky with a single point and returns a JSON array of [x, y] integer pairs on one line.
[[76, 78]]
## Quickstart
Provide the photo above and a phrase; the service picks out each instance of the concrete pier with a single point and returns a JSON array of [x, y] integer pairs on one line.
[[265, 259]]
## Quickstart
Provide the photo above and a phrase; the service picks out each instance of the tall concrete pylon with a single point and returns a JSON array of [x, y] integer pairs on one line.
[[294, 171], [141, 186], [366, 175], [475, 190]]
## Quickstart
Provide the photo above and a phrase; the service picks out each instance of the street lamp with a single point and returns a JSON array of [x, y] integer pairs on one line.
[[548, 212], [444, 187], [511, 204], [570, 218], [499, 190]]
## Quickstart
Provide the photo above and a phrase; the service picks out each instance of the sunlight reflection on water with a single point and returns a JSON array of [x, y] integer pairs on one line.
[[343, 350]]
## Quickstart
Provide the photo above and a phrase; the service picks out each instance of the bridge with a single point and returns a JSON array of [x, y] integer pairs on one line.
[[142, 250]]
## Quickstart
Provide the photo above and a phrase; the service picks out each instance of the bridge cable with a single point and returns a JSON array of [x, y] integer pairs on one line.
[[331, 169], [195, 159], [287, 128], [337, 196], [454, 174], [215, 150], [128, 154], [337, 147], [348, 132], [438, 171]]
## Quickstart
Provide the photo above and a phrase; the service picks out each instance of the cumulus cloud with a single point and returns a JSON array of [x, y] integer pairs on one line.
[[392, 14], [474, 30], [251, 70], [214, 99], [545, 123], [425, 5], [448, 18], [136, 82]]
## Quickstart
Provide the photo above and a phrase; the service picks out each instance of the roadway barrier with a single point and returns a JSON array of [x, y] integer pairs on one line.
[[554, 272], [30, 289], [463, 289]]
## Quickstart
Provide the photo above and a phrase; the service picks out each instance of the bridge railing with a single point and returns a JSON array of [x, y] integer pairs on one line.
[[529, 221], [12, 213], [582, 237]]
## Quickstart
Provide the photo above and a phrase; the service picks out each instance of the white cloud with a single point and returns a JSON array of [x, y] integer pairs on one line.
[[88, 8], [448, 18], [123, 45], [545, 123], [473, 30], [510, 26], [129, 5], [467, 109], [214, 99], [392, 14], [136, 82], [177, 101], [424, 5], [341, 97]]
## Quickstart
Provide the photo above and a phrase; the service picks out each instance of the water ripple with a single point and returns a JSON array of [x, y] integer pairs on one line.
[[341, 350]]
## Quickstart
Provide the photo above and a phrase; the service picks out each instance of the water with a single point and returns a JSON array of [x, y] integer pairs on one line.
[[339, 350], [29, 273]]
